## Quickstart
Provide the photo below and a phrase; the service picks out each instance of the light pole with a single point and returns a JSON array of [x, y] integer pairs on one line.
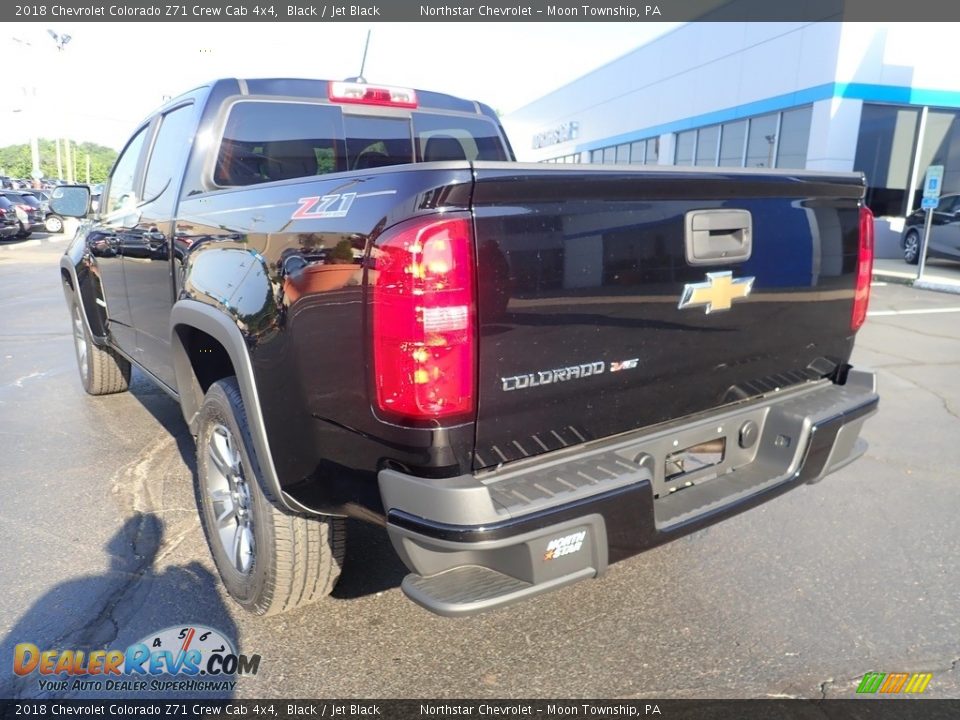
[[30, 110], [61, 41]]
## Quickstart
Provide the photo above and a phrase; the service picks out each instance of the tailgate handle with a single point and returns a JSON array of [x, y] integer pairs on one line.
[[718, 237]]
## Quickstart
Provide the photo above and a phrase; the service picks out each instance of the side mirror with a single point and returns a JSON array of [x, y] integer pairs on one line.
[[71, 200]]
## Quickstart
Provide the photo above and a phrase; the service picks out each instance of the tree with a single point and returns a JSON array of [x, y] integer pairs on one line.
[[15, 160]]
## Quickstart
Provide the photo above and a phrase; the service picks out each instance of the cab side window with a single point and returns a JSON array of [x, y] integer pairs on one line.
[[122, 193]]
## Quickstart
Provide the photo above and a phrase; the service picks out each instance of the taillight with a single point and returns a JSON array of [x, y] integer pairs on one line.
[[423, 318], [363, 94], [861, 298]]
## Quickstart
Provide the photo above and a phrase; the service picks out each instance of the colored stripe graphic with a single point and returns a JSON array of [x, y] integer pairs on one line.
[[894, 682], [918, 682], [871, 682]]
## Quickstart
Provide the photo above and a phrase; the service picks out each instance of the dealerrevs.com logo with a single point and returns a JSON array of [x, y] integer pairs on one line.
[[200, 657]]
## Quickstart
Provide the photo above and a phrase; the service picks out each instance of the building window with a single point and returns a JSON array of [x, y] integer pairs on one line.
[[707, 139], [609, 155], [762, 141], [733, 137], [686, 141], [653, 151], [941, 146], [596, 156], [637, 152], [623, 154], [884, 154], [794, 137]]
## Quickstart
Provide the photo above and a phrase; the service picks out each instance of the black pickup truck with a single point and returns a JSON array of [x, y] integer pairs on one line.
[[367, 309]]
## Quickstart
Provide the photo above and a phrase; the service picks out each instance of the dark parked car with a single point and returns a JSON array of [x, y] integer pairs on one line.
[[944, 239], [51, 220], [9, 226], [29, 211]]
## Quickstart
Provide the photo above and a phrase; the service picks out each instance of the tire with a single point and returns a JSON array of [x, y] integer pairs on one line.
[[53, 224], [102, 370], [270, 560], [911, 247]]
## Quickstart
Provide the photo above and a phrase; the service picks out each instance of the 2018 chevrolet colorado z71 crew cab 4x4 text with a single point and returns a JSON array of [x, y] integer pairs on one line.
[[367, 309]]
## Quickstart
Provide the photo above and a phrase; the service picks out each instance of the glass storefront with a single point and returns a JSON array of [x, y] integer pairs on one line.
[[886, 154], [775, 140]]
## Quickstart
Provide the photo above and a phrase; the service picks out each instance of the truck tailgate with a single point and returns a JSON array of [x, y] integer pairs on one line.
[[581, 271]]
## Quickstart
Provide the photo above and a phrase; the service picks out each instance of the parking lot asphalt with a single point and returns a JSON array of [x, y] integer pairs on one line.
[[797, 598]]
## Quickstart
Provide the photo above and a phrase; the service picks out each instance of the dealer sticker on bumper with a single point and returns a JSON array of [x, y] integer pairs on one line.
[[566, 545]]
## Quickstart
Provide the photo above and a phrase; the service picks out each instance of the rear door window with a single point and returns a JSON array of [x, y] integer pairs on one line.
[[168, 156], [451, 137], [265, 141], [124, 181]]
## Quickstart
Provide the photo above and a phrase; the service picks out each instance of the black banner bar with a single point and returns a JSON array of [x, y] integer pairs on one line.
[[477, 10], [861, 709]]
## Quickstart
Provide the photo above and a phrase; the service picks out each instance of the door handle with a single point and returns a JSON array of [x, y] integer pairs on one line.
[[718, 236]]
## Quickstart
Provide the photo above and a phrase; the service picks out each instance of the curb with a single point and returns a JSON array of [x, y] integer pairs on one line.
[[952, 288], [20, 245], [32, 243], [938, 287], [896, 279]]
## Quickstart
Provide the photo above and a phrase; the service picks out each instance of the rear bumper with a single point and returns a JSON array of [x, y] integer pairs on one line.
[[476, 542]]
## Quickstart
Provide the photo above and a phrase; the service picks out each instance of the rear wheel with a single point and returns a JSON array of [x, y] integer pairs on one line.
[[53, 224], [911, 247], [102, 371], [270, 560]]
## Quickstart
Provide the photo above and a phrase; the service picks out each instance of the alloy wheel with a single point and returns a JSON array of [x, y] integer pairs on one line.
[[229, 497], [80, 341]]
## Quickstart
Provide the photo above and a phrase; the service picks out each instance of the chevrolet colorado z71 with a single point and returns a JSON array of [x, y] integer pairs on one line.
[[367, 309]]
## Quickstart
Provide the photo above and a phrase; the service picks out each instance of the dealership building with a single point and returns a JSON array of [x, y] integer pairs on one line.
[[878, 98]]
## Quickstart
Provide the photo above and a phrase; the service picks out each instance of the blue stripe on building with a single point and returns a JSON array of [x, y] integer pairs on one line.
[[854, 91]]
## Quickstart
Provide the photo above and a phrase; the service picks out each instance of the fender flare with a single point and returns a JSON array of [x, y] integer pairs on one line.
[[222, 328], [72, 292]]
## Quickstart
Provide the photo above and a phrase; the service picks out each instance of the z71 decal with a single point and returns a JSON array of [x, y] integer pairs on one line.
[[326, 206]]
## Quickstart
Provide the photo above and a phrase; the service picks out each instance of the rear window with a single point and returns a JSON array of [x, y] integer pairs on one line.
[[374, 142], [447, 137], [266, 141]]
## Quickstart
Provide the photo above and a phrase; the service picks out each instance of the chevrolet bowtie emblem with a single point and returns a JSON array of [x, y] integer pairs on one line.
[[717, 293]]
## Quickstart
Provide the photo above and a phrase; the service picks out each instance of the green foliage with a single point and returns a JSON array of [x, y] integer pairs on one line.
[[15, 160]]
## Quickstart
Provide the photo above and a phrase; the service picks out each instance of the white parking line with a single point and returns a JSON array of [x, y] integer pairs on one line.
[[23, 244], [928, 311]]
